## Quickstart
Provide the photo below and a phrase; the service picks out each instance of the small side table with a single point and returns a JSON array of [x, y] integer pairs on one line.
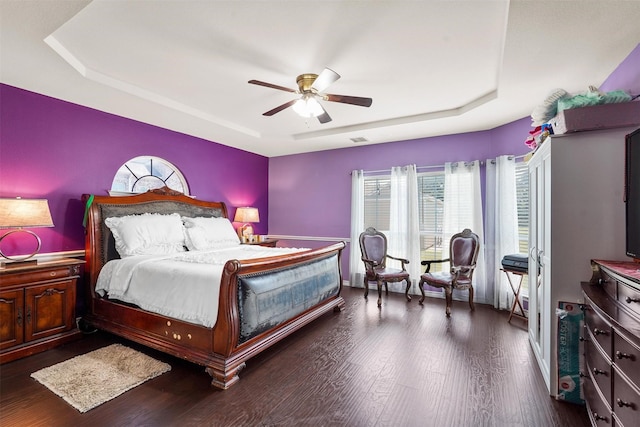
[[516, 293], [37, 307], [268, 242]]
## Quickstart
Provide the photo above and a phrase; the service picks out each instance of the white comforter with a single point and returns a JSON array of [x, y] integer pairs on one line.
[[184, 285]]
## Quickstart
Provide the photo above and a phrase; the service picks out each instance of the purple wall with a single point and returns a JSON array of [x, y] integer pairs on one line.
[[626, 76], [57, 150]]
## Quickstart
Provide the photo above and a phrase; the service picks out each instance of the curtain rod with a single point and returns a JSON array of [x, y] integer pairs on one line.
[[435, 166]]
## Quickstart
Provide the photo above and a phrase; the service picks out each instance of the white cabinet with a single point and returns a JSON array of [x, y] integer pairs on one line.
[[576, 214]]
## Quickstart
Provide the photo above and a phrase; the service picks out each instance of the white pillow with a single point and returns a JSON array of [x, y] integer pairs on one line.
[[147, 234], [203, 233]]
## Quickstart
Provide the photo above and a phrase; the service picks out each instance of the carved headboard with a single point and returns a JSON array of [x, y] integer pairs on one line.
[[99, 241]]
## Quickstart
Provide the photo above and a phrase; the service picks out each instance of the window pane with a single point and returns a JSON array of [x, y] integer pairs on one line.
[[430, 211], [522, 200], [377, 199], [148, 172]]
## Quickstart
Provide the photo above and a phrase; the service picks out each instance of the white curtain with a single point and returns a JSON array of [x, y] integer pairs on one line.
[[404, 234], [463, 209], [356, 266], [501, 226]]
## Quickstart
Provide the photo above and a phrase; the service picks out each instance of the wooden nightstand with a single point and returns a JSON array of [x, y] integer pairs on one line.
[[37, 307], [269, 242]]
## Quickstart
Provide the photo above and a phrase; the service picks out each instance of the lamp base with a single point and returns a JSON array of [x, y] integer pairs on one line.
[[15, 264], [12, 262], [244, 231]]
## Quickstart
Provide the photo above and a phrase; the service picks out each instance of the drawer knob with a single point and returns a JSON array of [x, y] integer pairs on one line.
[[621, 403], [599, 417], [629, 300], [602, 281], [621, 355], [597, 331], [597, 371]]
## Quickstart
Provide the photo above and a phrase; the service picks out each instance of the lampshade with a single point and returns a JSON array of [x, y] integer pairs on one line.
[[19, 213], [308, 106], [247, 215]]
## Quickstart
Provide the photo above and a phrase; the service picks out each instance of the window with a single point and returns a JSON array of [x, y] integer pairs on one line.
[[522, 204], [431, 208], [144, 173], [377, 197], [522, 201]]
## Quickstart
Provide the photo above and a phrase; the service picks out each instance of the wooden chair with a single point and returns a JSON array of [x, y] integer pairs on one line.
[[463, 255], [373, 246]]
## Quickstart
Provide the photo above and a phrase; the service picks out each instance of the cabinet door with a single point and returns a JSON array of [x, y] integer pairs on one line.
[[539, 258], [49, 309], [11, 318]]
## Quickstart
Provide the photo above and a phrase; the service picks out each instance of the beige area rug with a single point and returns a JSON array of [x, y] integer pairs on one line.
[[91, 379]]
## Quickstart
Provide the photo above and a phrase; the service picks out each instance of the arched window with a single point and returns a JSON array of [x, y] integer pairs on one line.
[[146, 173]]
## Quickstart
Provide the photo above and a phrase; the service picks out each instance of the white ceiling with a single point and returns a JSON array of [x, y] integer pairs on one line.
[[431, 67]]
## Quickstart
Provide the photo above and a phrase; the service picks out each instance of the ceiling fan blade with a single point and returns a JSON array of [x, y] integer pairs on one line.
[[353, 100], [326, 78], [324, 117], [272, 86], [280, 108]]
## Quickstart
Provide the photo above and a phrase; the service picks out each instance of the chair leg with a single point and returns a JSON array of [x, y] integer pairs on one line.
[[406, 292], [366, 288], [421, 286], [448, 297], [380, 293], [386, 288], [471, 299]]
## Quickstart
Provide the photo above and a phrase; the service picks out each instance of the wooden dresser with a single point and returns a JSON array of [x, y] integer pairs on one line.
[[37, 307], [612, 344]]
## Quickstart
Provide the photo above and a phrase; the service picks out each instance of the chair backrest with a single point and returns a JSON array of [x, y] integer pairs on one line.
[[373, 246], [463, 250]]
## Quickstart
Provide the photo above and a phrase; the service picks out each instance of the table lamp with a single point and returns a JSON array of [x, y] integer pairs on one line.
[[19, 213], [246, 215]]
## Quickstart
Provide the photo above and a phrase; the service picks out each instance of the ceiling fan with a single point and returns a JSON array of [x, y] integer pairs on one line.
[[311, 86]]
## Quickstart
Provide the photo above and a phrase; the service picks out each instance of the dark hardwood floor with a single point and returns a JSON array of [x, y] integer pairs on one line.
[[401, 365]]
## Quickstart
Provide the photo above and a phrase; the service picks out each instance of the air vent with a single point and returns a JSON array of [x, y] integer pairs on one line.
[[359, 139]]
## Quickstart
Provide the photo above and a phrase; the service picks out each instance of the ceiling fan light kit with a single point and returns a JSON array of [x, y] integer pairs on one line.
[[308, 106], [310, 87]]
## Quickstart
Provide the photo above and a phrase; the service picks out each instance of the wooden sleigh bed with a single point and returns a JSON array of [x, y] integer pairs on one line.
[[293, 289]]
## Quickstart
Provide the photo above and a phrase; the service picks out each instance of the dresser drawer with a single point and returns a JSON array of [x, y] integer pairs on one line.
[[599, 369], [599, 411], [627, 357], [598, 330], [626, 401], [609, 284], [629, 298]]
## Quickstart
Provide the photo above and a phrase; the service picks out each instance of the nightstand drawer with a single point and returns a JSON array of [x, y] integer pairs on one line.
[[35, 276]]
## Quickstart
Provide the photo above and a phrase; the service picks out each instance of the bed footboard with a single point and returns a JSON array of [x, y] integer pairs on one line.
[[262, 301]]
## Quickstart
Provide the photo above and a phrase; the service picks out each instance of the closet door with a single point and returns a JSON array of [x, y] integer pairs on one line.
[[539, 258]]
